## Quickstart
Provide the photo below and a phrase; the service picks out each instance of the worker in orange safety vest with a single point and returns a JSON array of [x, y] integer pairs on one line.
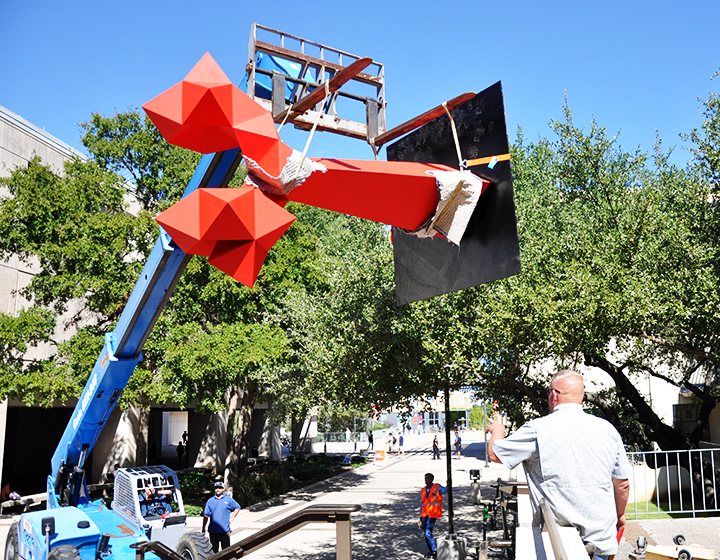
[[431, 510]]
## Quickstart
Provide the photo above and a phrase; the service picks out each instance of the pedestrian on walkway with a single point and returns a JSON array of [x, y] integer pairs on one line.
[[458, 443], [401, 445], [430, 511], [436, 449], [180, 450], [370, 440], [219, 512]]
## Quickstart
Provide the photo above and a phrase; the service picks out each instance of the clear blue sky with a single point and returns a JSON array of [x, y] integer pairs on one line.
[[636, 66]]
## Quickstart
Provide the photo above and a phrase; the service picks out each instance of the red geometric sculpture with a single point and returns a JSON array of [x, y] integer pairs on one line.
[[207, 113], [399, 193], [234, 227]]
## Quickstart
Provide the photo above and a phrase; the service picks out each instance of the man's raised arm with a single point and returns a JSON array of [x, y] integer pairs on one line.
[[497, 432]]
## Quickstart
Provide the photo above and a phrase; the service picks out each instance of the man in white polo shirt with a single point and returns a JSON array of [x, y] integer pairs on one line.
[[574, 460]]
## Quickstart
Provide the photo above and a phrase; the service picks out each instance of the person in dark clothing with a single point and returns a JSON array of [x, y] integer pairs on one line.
[[370, 440], [180, 450], [436, 448]]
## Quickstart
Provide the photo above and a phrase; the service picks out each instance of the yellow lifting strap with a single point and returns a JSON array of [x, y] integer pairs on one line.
[[486, 160]]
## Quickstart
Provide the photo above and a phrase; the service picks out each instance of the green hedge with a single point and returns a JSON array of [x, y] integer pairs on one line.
[[266, 481]]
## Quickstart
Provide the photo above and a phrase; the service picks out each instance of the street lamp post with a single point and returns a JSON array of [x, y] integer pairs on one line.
[[448, 453]]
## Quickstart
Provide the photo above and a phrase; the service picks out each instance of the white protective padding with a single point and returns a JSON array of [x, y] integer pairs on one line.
[[293, 173], [458, 193]]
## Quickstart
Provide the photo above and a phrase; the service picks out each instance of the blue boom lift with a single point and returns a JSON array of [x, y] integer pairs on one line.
[[73, 527]]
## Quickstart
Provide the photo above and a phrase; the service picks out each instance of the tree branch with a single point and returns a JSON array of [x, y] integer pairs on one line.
[[666, 436], [679, 347]]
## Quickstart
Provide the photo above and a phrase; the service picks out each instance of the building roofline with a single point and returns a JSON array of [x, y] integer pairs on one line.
[[41, 135]]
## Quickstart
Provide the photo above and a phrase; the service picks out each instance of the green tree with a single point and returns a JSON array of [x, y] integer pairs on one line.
[[481, 415], [213, 344], [619, 253], [354, 347]]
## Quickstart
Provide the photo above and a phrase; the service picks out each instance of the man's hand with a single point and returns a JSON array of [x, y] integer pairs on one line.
[[497, 432], [621, 522], [496, 427]]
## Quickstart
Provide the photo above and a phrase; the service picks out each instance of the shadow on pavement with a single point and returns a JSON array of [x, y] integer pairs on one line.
[[390, 530]]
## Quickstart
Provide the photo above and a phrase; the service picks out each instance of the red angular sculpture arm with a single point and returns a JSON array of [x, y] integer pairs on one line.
[[401, 194]]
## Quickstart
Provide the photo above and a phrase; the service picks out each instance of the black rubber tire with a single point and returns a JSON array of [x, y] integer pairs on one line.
[[194, 546], [11, 543], [64, 552], [679, 539], [684, 555]]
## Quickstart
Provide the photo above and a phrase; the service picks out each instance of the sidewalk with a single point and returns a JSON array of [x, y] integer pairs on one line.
[[386, 527]]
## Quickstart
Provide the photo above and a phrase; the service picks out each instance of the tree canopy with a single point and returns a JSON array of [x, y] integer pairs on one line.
[[620, 272]]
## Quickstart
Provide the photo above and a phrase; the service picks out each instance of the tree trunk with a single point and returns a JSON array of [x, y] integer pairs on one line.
[[141, 455], [667, 437], [245, 413], [231, 457], [704, 476], [297, 421]]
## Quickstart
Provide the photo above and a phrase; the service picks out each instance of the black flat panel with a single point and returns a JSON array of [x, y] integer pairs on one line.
[[489, 250]]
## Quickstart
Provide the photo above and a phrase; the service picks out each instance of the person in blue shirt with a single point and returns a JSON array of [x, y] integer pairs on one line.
[[219, 513]]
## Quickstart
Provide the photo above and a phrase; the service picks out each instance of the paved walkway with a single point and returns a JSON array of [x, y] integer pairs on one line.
[[386, 527]]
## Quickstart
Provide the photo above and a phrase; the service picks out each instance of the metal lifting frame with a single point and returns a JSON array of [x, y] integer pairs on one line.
[[328, 63]]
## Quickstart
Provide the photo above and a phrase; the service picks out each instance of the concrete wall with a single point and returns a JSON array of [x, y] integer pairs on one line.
[[20, 141], [714, 428], [121, 442]]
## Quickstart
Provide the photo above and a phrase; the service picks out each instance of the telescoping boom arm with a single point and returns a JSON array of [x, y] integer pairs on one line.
[[123, 347]]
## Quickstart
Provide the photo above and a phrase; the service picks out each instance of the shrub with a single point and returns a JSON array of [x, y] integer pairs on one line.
[[195, 483]]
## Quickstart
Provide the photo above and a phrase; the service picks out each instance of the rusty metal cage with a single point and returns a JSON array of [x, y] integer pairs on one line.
[[283, 71]]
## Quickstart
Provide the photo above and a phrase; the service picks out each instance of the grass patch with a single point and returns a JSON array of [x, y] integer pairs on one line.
[[651, 510]]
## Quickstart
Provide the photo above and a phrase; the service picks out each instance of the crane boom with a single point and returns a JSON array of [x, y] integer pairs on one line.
[[123, 347]]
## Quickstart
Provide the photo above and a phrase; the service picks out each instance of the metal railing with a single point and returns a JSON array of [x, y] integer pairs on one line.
[[320, 513], [551, 525], [336, 437], [673, 482]]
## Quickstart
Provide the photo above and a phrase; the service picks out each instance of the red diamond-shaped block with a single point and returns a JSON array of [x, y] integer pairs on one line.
[[234, 227], [240, 259], [207, 113]]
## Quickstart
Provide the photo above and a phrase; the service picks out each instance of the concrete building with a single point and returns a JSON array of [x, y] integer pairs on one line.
[[29, 435]]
